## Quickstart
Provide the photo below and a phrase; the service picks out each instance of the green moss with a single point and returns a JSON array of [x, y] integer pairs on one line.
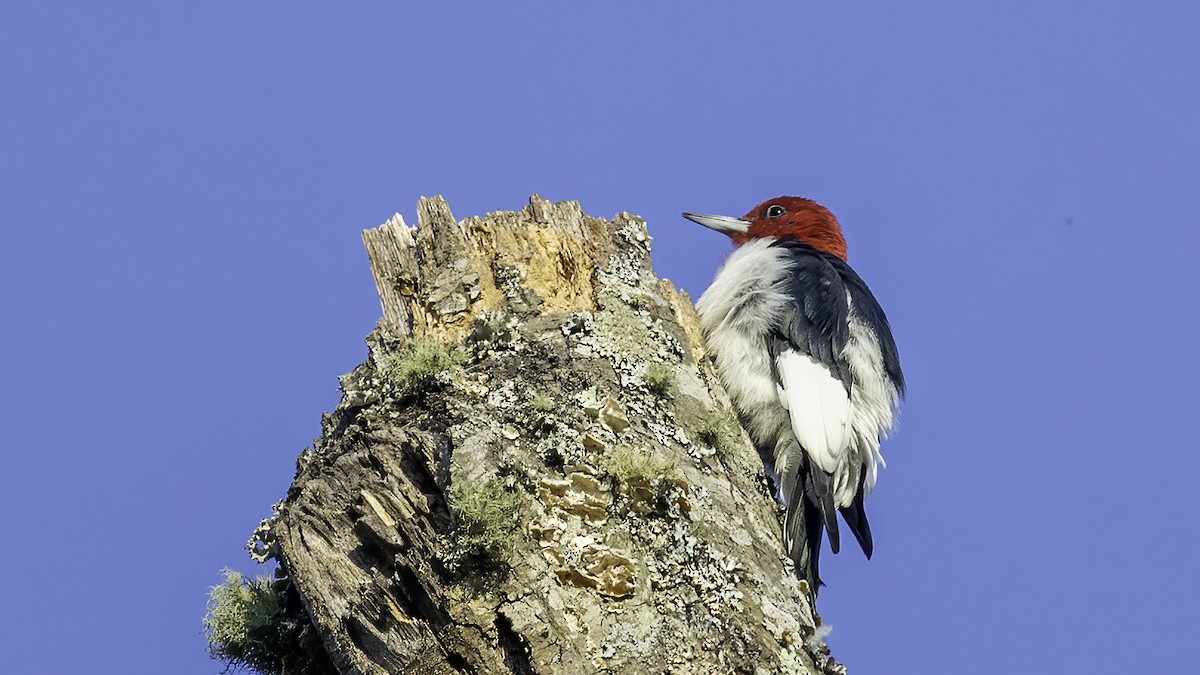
[[627, 462], [424, 364], [539, 416], [720, 432], [660, 380], [488, 520], [243, 624]]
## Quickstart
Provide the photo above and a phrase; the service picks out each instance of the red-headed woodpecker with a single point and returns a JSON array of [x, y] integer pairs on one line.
[[808, 358]]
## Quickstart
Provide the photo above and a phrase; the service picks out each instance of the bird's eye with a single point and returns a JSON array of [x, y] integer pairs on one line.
[[774, 211]]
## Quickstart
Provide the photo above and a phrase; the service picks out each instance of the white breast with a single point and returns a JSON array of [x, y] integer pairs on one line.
[[745, 300]]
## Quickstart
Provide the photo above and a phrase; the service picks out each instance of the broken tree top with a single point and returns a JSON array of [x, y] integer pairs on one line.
[[544, 254]]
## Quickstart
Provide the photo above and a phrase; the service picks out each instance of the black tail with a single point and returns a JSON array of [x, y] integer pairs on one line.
[[807, 494], [810, 512], [803, 527], [818, 489], [856, 518]]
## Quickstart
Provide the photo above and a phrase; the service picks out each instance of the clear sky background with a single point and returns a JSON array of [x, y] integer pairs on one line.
[[182, 188]]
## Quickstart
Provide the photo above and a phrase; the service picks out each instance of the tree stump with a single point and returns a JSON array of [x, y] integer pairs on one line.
[[536, 470]]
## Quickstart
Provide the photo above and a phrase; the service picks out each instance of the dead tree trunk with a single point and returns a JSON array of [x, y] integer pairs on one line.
[[535, 471]]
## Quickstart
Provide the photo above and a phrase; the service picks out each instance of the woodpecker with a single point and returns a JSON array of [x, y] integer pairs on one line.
[[807, 356]]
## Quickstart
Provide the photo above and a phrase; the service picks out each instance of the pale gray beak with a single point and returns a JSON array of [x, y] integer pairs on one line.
[[723, 224]]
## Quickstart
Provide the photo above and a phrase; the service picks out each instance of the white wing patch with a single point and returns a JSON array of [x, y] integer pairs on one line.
[[819, 408]]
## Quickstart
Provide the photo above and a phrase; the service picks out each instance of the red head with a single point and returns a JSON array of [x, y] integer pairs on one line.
[[796, 217]]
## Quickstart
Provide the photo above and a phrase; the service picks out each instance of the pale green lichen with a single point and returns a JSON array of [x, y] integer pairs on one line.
[[542, 403], [242, 625], [488, 522], [424, 364], [263, 545], [627, 462]]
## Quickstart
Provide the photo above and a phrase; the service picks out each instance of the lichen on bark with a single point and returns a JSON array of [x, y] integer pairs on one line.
[[579, 399]]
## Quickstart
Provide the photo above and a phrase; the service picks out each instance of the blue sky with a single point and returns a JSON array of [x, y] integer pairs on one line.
[[182, 280]]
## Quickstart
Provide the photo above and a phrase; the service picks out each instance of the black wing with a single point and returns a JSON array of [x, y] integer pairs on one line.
[[818, 324]]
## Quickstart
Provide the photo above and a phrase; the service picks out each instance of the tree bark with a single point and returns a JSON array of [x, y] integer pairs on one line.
[[560, 492]]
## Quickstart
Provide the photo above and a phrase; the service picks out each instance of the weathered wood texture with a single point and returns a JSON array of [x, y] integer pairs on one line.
[[643, 544]]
